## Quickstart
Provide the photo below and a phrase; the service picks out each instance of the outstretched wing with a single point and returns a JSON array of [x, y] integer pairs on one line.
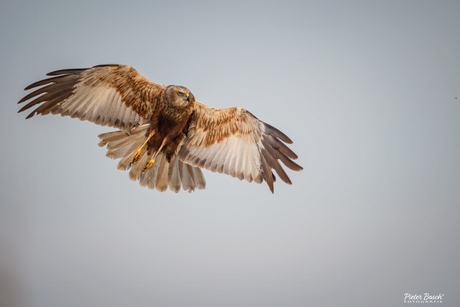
[[235, 142], [108, 95]]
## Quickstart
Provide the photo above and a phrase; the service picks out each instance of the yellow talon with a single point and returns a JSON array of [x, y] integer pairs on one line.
[[136, 156], [149, 165]]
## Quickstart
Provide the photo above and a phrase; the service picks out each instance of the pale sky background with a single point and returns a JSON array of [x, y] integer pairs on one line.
[[366, 90]]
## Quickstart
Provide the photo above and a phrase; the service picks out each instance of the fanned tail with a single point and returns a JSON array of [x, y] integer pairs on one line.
[[163, 174]]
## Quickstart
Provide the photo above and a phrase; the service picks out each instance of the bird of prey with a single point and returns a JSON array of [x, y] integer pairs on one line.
[[165, 135]]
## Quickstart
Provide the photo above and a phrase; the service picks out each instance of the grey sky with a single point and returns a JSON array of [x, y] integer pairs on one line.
[[366, 90]]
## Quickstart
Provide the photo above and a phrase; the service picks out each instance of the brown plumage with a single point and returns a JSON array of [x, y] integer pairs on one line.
[[165, 134]]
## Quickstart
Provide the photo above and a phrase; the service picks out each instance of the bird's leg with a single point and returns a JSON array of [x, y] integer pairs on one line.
[[150, 163], [137, 154]]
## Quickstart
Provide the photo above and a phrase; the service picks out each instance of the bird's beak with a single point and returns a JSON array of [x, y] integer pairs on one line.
[[188, 96]]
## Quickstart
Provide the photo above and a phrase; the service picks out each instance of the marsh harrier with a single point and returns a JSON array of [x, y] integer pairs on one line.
[[165, 134]]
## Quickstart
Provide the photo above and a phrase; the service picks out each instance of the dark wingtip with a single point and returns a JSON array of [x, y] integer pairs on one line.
[[66, 71], [30, 115], [104, 65], [75, 70], [273, 131]]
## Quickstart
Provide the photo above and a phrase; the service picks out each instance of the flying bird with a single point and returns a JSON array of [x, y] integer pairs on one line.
[[165, 135]]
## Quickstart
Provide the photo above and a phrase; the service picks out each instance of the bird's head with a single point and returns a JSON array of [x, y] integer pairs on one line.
[[179, 95]]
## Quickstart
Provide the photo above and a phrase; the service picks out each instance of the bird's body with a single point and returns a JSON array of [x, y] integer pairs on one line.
[[168, 121], [165, 134]]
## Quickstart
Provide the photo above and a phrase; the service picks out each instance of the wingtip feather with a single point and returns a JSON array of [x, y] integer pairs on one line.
[[66, 71]]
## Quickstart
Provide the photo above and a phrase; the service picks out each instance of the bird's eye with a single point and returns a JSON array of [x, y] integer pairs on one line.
[[180, 93]]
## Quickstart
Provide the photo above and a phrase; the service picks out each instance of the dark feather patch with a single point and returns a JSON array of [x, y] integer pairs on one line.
[[66, 71]]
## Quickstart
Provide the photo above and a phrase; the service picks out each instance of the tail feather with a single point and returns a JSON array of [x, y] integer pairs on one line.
[[163, 174], [125, 163], [186, 178], [200, 182], [138, 167], [149, 178], [118, 153], [123, 142], [162, 179], [173, 175], [111, 136]]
